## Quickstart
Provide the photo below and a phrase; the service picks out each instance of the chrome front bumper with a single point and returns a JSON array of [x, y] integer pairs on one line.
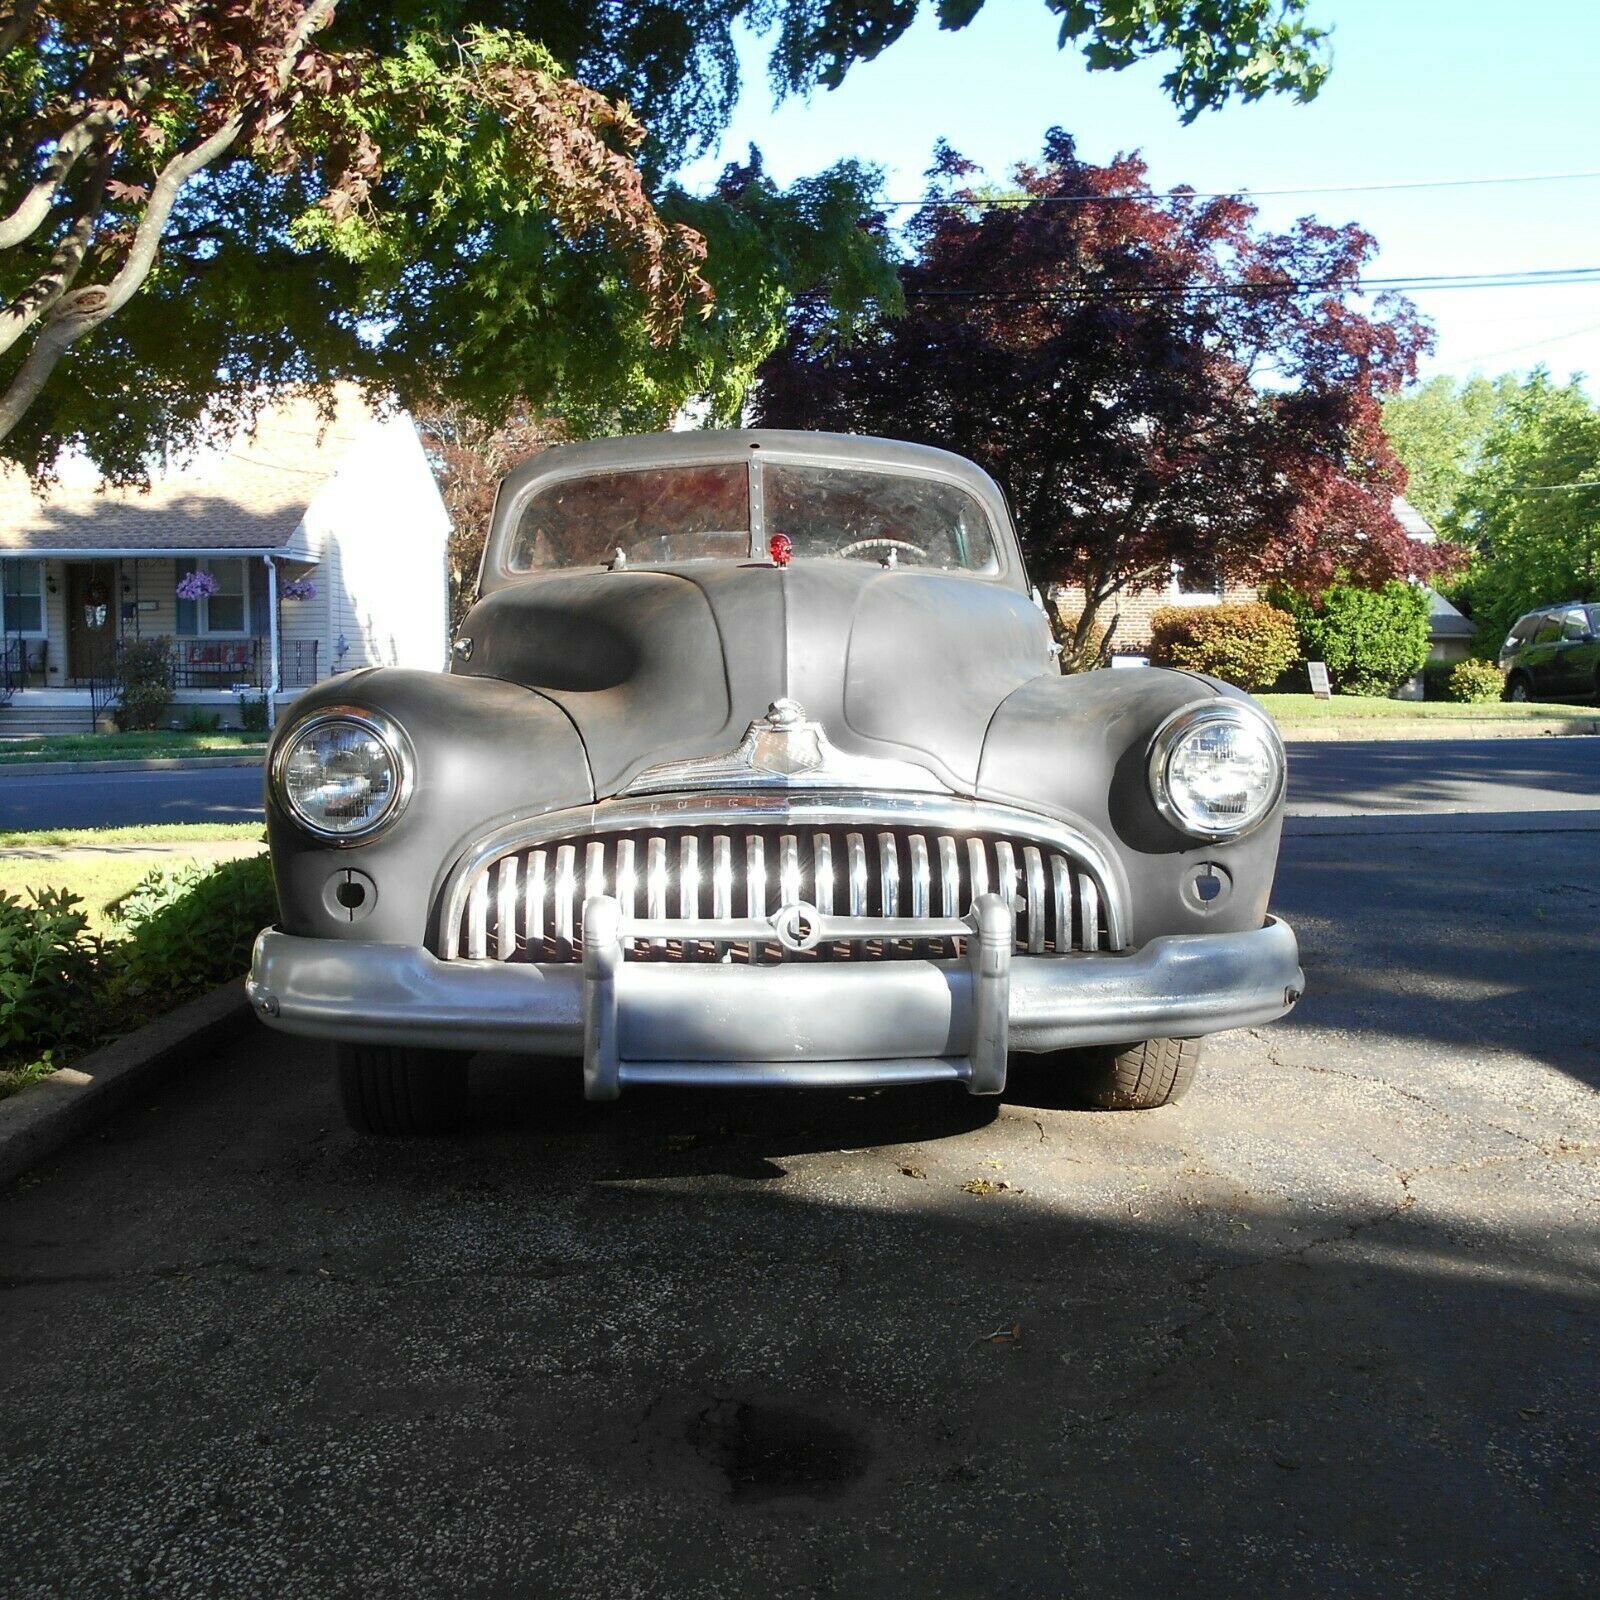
[[794, 1023]]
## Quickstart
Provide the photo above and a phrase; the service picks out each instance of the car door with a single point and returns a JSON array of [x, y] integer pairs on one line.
[[1540, 660], [1570, 657]]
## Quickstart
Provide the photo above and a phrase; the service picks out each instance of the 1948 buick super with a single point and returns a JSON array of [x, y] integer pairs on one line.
[[754, 766]]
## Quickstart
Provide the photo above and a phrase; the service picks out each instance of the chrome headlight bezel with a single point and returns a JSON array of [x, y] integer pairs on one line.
[[1189, 719], [397, 746]]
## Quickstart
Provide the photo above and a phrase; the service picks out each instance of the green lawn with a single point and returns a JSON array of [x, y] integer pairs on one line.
[[174, 834], [126, 746], [1305, 710], [101, 875]]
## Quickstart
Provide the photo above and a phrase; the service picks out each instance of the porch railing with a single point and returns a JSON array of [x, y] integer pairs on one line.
[[22, 663], [225, 663]]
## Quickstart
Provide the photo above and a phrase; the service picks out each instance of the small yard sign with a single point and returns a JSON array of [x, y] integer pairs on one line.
[[1320, 686]]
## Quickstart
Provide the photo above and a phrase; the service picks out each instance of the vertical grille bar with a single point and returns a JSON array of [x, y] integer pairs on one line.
[[505, 910], [977, 870], [478, 917], [533, 902], [689, 886], [949, 877], [721, 886], [1005, 872], [788, 870], [755, 887], [655, 883], [1089, 905], [822, 872], [566, 889], [856, 850], [1061, 882], [1034, 864], [627, 877], [594, 870], [889, 874]]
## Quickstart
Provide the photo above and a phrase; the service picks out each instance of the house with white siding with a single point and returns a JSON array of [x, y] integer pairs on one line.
[[304, 548]]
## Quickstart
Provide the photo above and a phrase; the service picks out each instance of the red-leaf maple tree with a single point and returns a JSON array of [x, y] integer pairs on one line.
[[1152, 379]]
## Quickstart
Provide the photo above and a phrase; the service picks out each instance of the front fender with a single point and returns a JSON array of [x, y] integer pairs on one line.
[[1077, 746], [487, 753]]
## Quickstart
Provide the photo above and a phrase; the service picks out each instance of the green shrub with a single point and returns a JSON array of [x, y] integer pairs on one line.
[[1371, 639], [144, 683], [50, 988], [1475, 682], [1250, 645], [199, 721], [253, 712], [188, 928]]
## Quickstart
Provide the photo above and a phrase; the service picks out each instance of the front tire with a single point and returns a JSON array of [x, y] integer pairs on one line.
[[1137, 1077], [398, 1091]]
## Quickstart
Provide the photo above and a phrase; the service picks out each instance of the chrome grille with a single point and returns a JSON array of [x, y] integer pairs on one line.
[[527, 904]]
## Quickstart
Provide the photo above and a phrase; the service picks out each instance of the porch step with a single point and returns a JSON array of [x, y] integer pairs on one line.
[[23, 721]]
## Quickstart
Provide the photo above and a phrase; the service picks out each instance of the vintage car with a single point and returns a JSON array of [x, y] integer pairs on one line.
[[754, 766]]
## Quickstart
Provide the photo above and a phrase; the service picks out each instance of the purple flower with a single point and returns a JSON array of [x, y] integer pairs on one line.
[[297, 589], [197, 586]]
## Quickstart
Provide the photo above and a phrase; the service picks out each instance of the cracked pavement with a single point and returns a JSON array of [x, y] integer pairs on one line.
[[1328, 1327]]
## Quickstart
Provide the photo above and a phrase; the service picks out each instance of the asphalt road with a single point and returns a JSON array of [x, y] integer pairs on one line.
[[1326, 779], [1326, 1328]]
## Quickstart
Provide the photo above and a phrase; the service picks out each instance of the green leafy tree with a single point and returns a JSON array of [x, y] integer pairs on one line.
[[464, 200], [1372, 639], [1531, 507], [1438, 430]]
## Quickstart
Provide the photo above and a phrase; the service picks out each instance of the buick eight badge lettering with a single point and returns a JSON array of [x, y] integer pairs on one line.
[[754, 766]]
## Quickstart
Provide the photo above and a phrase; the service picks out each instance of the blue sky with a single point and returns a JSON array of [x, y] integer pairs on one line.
[[1420, 89]]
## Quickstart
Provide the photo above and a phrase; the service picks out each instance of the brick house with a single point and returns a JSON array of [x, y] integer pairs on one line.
[[1452, 633]]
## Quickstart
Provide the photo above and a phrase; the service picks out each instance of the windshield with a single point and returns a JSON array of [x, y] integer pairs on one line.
[[664, 515]]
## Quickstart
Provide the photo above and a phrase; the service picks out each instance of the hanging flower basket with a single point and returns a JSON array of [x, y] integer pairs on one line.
[[197, 586], [297, 589]]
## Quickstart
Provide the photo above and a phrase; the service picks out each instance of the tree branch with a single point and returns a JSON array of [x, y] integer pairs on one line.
[[85, 309], [35, 205]]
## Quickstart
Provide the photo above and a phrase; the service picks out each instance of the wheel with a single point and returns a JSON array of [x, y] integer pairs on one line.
[[392, 1089], [1519, 688], [1137, 1077]]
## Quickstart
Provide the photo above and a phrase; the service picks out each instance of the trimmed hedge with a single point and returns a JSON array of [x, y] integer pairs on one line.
[[1476, 682], [1250, 645], [144, 684], [1371, 639]]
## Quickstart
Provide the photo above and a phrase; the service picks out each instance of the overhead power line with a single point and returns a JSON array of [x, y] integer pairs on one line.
[[1533, 278], [1019, 200]]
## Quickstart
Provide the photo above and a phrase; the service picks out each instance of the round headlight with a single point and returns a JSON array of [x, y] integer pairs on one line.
[[1216, 770], [343, 774]]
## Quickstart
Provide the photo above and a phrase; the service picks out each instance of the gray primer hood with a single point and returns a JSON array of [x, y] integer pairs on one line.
[[672, 664]]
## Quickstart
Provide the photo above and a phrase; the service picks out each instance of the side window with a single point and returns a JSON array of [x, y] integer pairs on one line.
[[1549, 631], [1575, 623]]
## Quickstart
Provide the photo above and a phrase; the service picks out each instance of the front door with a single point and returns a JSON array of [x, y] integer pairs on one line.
[[91, 619]]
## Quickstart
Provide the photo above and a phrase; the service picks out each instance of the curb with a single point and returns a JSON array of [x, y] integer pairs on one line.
[[37, 1121], [1381, 732], [53, 769]]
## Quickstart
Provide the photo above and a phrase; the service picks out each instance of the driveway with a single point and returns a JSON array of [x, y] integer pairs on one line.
[[1327, 1328]]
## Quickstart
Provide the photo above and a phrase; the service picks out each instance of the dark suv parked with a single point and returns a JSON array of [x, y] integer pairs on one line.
[[1554, 654]]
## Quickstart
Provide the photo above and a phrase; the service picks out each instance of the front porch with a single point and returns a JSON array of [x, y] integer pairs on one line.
[[66, 623]]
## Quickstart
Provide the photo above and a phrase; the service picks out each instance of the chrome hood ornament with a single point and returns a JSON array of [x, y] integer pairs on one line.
[[785, 750]]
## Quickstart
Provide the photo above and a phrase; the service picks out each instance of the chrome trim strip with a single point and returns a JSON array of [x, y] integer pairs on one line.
[[845, 809]]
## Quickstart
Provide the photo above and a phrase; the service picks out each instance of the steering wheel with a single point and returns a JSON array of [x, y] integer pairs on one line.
[[864, 546]]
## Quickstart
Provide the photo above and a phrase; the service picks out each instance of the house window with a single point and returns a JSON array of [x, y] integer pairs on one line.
[[1199, 580], [22, 597], [225, 612]]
